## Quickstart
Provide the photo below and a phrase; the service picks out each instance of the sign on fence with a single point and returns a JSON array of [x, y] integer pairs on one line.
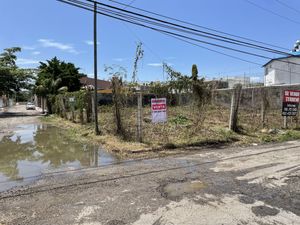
[[290, 103], [72, 99], [159, 110]]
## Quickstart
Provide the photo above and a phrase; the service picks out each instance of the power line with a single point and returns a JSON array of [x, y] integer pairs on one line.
[[287, 6], [212, 50], [188, 28], [129, 4], [196, 25], [187, 31], [272, 12], [171, 33]]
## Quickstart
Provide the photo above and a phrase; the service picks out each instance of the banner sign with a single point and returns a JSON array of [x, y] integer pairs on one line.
[[159, 110], [290, 103]]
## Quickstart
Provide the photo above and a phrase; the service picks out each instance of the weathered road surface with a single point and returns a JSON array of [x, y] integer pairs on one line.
[[16, 115], [257, 185]]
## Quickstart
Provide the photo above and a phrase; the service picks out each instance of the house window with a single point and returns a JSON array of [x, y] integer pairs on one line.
[[266, 70]]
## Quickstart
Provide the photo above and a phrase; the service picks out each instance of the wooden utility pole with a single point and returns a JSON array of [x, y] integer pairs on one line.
[[97, 132]]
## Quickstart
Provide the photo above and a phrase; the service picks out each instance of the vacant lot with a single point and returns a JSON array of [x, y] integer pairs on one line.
[[186, 127]]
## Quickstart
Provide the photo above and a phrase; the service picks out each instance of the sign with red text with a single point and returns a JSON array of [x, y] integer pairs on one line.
[[291, 99], [291, 96], [159, 110]]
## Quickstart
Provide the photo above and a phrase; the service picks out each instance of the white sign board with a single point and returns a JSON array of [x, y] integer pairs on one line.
[[72, 99], [159, 110]]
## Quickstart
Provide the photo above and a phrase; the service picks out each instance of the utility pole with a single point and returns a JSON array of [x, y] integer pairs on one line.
[[97, 132]]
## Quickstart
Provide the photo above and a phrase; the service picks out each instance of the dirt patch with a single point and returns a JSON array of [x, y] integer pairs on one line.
[[116, 222], [176, 189], [264, 211], [246, 199]]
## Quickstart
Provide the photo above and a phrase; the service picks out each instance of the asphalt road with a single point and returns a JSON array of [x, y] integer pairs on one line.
[[255, 185]]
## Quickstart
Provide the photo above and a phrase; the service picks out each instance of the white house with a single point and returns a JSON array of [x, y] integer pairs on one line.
[[280, 71]]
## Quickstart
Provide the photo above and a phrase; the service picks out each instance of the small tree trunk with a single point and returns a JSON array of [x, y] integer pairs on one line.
[[139, 118], [235, 101], [89, 107], [81, 116], [117, 101], [43, 105]]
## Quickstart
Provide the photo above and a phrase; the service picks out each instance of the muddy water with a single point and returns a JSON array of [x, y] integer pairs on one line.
[[37, 149]]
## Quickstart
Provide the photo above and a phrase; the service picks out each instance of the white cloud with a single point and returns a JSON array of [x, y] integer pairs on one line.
[[88, 42], [36, 53], [159, 64], [155, 64], [120, 59], [22, 61], [28, 48], [48, 43]]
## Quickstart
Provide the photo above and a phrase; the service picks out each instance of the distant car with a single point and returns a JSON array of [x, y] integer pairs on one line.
[[30, 105]]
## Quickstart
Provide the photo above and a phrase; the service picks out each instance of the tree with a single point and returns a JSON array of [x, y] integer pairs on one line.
[[117, 73], [8, 57], [56, 75], [13, 80]]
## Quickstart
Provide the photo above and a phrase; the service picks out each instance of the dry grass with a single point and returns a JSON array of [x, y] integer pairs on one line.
[[180, 131]]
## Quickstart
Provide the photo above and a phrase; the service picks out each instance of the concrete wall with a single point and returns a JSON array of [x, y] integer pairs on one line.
[[252, 97], [244, 81], [278, 72]]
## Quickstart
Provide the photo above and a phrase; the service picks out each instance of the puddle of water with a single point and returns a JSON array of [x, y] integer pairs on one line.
[[174, 190], [36, 149]]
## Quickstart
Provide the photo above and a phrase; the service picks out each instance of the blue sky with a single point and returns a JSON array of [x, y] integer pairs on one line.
[[47, 28]]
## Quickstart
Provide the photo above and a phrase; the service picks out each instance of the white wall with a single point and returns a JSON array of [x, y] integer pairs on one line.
[[279, 72], [270, 78]]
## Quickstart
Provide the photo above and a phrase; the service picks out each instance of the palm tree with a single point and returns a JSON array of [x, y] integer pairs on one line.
[[55, 76]]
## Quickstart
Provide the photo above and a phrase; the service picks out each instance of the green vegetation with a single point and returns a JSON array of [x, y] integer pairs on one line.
[[13, 80], [54, 77], [180, 132]]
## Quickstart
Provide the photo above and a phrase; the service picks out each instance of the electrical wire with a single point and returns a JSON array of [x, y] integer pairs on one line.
[[172, 33], [212, 50], [272, 12], [185, 27], [185, 31], [287, 6], [196, 25]]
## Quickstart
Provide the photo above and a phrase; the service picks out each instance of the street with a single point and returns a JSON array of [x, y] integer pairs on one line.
[[253, 185]]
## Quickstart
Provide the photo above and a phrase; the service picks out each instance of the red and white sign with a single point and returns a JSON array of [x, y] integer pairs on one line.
[[159, 110], [291, 96]]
